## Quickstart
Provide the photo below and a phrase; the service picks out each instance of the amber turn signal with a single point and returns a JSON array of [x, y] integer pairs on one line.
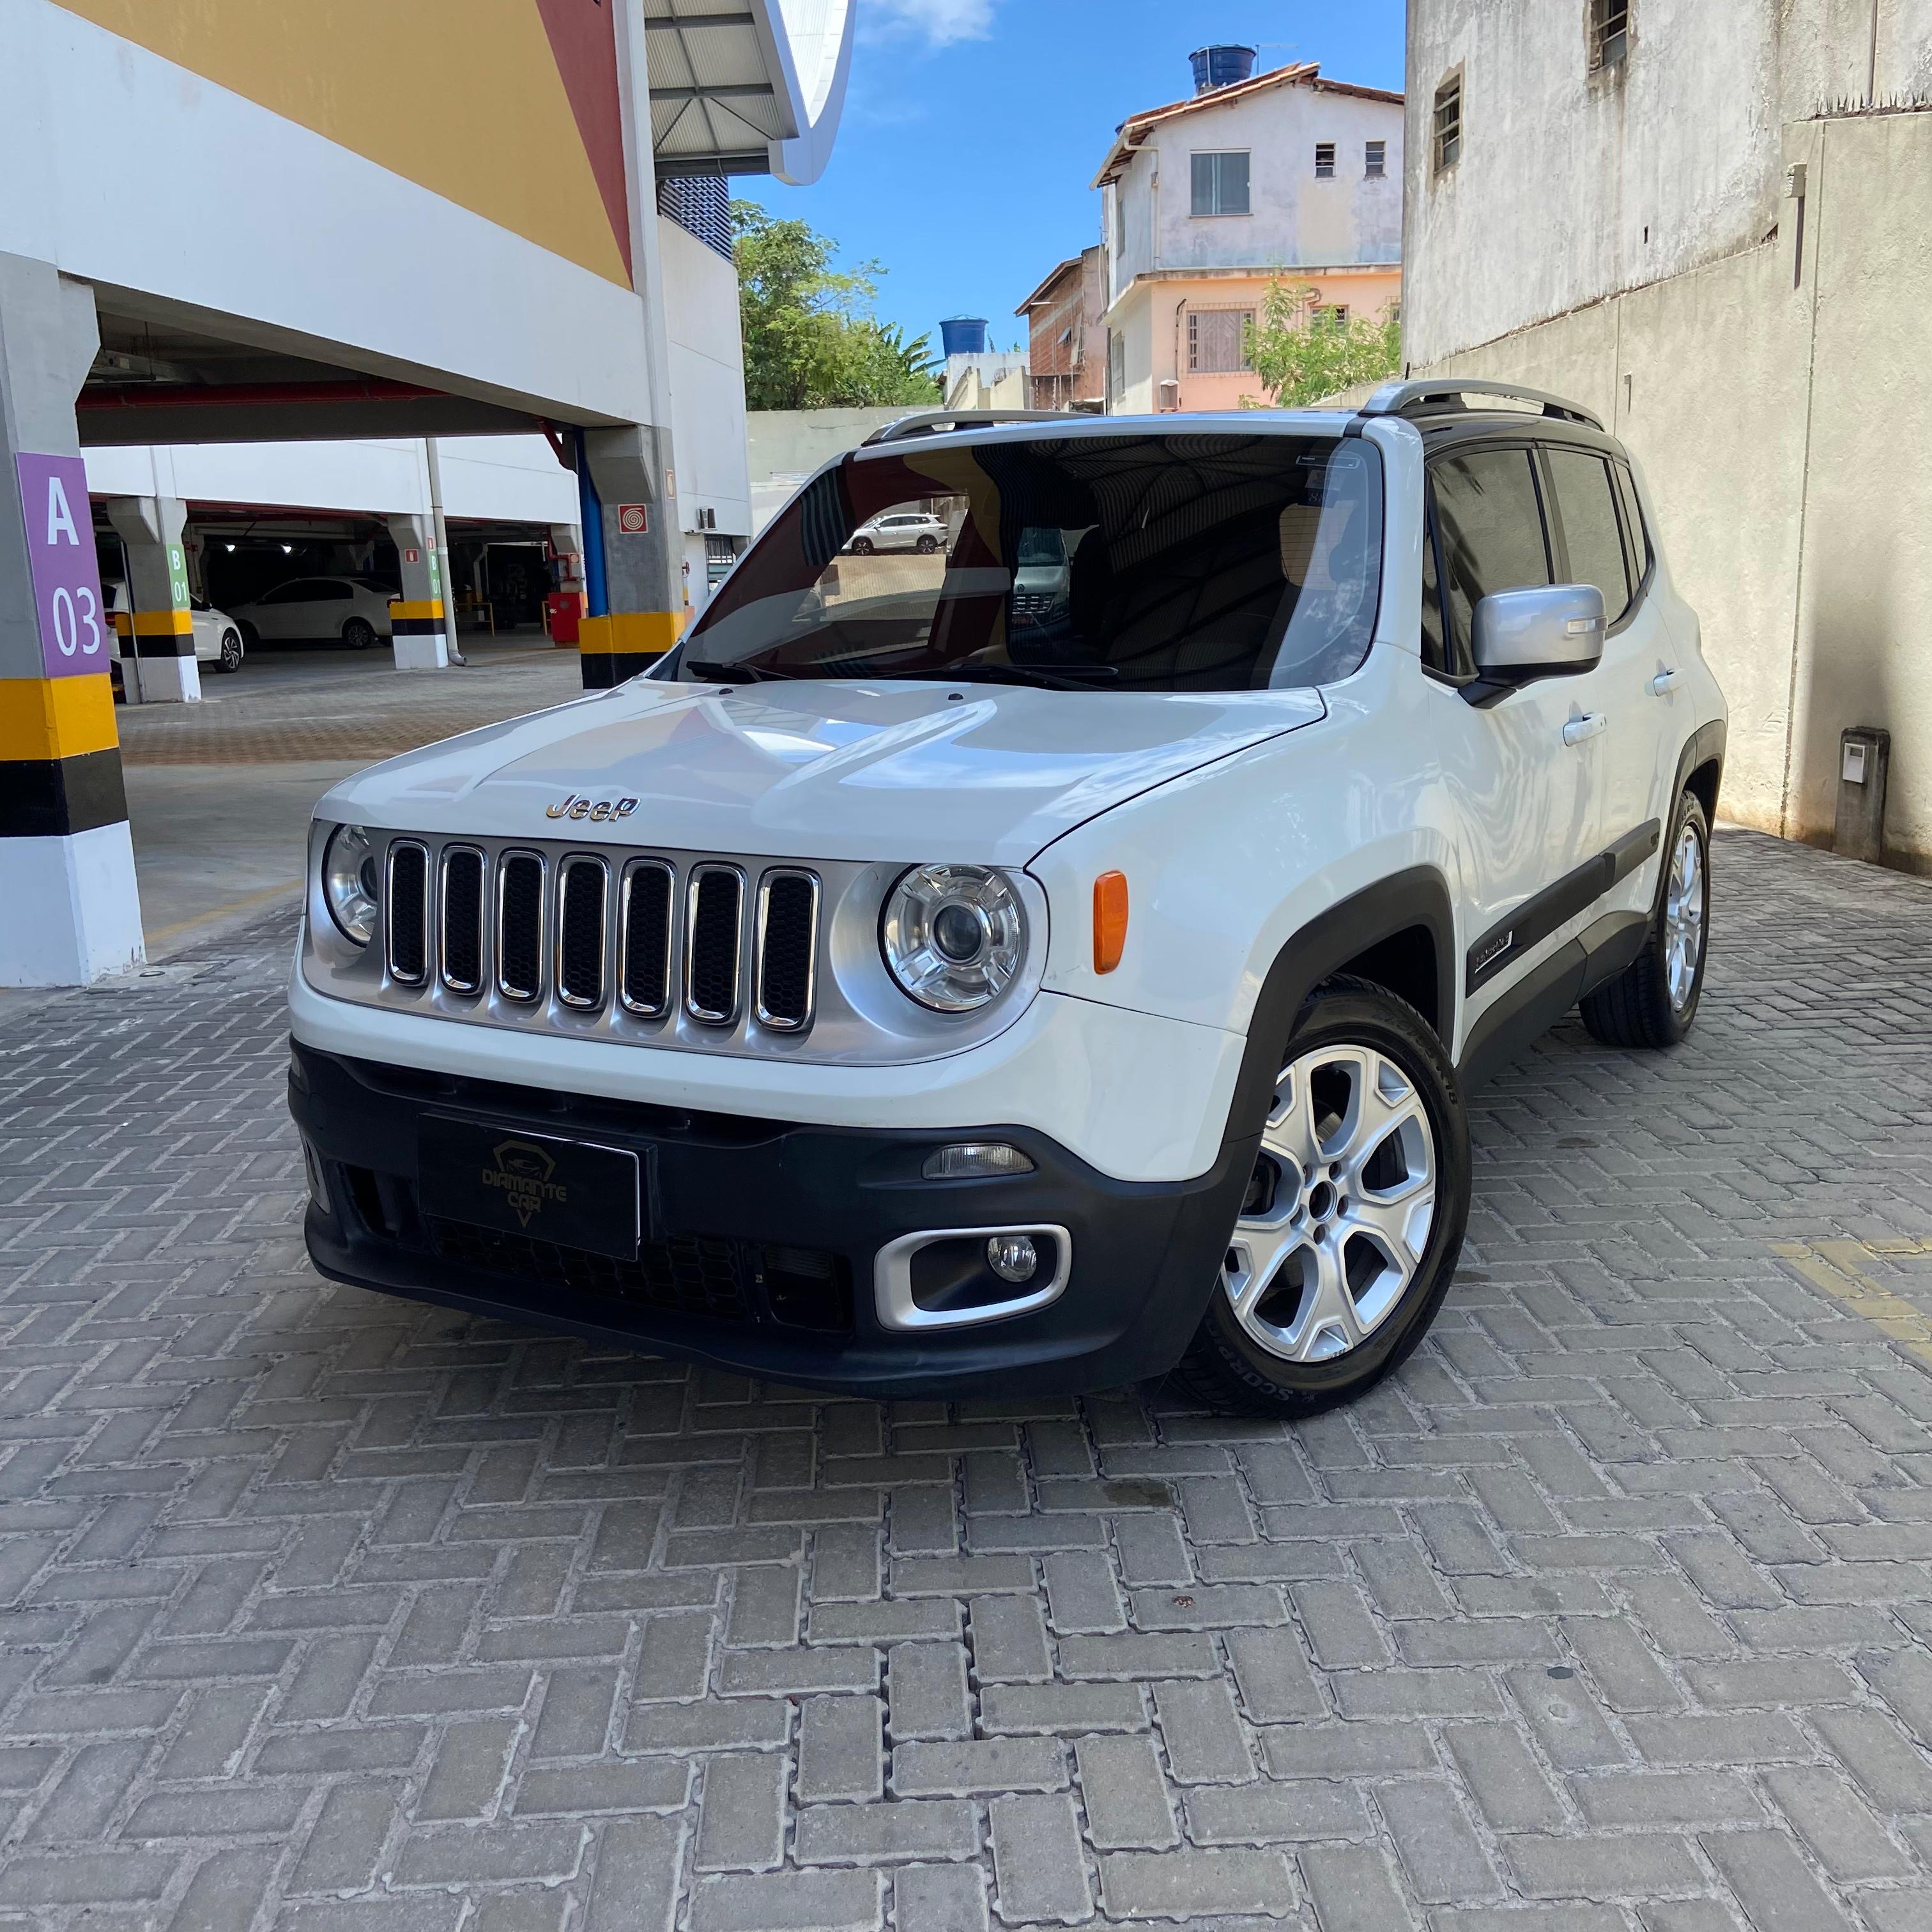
[[1110, 920]]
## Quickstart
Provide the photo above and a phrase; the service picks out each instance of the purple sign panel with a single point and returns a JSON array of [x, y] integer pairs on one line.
[[75, 635]]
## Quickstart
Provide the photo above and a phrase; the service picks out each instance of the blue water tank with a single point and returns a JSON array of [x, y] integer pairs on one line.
[[1221, 66], [963, 334]]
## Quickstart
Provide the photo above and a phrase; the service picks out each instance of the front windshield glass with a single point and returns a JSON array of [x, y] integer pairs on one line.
[[1170, 562]]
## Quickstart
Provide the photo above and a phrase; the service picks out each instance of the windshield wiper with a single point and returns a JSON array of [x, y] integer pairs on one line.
[[1067, 677], [716, 671]]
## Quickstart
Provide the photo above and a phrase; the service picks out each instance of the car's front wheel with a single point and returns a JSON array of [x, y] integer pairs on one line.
[[230, 656], [1347, 1238], [862, 546], [359, 634], [1653, 1001]]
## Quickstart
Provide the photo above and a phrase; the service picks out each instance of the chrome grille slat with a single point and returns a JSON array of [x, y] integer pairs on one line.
[[520, 925], [786, 949], [465, 873], [582, 895], [714, 944], [405, 912], [645, 933]]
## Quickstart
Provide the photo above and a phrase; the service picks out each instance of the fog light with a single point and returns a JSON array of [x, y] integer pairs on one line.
[[1013, 1257], [972, 1160]]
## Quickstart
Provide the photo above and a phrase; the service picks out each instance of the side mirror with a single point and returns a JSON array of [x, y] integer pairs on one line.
[[1520, 635]]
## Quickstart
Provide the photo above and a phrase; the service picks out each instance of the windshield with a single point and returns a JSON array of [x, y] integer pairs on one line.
[[1170, 562]]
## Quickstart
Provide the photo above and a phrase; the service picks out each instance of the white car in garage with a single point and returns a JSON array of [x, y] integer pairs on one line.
[[218, 638], [353, 610]]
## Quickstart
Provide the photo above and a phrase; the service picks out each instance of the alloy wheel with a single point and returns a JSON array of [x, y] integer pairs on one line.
[[1684, 918], [1339, 1212]]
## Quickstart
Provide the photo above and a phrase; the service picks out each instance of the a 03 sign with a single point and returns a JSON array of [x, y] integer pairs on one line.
[[74, 629]]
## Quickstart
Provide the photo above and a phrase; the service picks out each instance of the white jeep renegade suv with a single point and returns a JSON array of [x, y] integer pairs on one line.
[[912, 986]]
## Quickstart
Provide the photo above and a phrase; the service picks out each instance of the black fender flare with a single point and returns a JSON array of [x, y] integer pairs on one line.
[[1705, 745], [1418, 896]]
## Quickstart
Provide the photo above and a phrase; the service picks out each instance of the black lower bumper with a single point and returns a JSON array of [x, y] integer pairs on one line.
[[760, 1238]]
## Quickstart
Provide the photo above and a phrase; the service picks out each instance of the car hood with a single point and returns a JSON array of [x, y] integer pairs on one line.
[[812, 769]]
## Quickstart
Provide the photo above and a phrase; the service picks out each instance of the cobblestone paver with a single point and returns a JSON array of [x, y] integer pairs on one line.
[[330, 1612]]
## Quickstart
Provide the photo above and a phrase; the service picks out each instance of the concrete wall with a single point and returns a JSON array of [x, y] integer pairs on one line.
[[1776, 405], [707, 382], [787, 445], [1574, 186]]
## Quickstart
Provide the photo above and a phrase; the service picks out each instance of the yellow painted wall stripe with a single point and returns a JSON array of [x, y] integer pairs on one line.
[[430, 607], [163, 623], [55, 717], [641, 633]]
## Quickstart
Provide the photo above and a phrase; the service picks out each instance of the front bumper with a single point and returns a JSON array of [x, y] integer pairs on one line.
[[764, 1236]]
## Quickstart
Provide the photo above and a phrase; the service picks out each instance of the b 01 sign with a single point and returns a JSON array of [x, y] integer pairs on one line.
[[75, 632]]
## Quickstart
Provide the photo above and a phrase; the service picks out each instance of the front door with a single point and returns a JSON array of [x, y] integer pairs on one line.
[[1525, 772]]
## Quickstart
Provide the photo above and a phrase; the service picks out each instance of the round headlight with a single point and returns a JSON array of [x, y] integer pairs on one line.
[[954, 936], [349, 882]]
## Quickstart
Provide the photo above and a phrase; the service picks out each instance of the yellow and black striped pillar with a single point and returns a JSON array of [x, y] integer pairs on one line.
[[619, 645], [60, 758], [416, 621], [157, 632]]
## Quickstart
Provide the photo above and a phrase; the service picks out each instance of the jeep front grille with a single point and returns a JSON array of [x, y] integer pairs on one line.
[[787, 949], [583, 885], [465, 873], [520, 925], [569, 935], [407, 920], [716, 916]]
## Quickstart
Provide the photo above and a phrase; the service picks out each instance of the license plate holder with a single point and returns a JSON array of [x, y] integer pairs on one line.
[[575, 1193]]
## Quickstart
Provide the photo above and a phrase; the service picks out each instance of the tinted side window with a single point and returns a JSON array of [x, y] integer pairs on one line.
[[1435, 651], [1587, 511], [1634, 533], [329, 592], [1491, 523]]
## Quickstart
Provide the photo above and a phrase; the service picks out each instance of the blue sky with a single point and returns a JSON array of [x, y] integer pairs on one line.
[[972, 126]]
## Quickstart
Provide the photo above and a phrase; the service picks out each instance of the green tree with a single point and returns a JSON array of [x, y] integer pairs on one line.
[[1302, 354], [811, 340]]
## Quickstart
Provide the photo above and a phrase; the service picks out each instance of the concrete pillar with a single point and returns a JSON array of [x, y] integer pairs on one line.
[[157, 632], [644, 580], [418, 619], [71, 914]]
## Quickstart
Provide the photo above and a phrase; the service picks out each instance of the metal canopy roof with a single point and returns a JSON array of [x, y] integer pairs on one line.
[[746, 87]]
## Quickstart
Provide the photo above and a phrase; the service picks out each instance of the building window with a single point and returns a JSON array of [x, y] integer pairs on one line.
[[701, 205], [1324, 160], [1448, 123], [1119, 223], [1221, 183], [1117, 369], [1217, 340], [1610, 33], [1334, 315], [1375, 159]]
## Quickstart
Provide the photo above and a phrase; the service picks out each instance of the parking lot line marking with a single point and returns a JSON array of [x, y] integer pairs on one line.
[[1837, 1267]]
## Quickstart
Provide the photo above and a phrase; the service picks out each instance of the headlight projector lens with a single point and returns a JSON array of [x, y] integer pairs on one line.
[[349, 882], [953, 936]]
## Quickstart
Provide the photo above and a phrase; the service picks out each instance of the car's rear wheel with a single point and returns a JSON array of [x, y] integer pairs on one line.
[[1653, 1001], [359, 634], [1348, 1236], [230, 656], [926, 546], [862, 546]]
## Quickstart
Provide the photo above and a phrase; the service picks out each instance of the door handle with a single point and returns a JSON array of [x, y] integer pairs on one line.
[[1578, 729], [1664, 681]]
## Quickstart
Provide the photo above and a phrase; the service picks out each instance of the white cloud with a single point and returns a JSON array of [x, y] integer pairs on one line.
[[937, 22]]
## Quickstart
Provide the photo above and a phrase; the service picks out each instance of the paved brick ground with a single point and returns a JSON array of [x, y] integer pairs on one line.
[[325, 1612]]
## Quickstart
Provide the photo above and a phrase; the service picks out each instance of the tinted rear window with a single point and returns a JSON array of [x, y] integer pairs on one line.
[[1588, 508]]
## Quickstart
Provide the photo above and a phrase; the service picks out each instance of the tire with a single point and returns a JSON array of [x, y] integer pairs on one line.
[[1653, 1001], [230, 657], [862, 546], [1293, 1349], [359, 634], [251, 638], [926, 546]]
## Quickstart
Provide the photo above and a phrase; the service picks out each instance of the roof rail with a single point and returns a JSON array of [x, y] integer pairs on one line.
[[1441, 395], [937, 422]]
